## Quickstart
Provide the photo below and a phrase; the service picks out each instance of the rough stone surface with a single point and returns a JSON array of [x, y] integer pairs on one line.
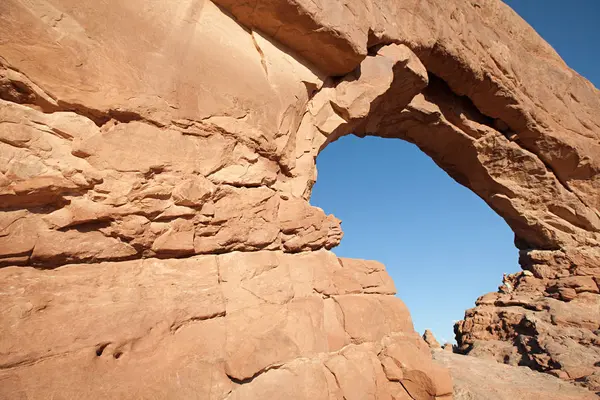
[[238, 326], [545, 317], [476, 379], [134, 134], [430, 339]]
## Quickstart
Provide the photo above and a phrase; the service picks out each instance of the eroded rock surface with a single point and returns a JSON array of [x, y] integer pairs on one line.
[[236, 326], [136, 133]]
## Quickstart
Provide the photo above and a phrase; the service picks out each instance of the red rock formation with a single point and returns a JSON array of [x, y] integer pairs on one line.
[[546, 317], [133, 134], [430, 339], [238, 326]]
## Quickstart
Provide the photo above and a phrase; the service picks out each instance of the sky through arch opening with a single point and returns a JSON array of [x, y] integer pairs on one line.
[[443, 245]]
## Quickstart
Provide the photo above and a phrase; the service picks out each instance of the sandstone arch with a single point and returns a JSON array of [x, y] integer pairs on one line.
[[164, 145]]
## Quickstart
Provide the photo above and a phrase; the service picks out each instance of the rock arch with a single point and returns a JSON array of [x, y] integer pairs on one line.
[[555, 227], [163, 145]]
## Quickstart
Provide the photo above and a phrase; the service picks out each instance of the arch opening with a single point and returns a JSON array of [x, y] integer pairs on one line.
[[495, 155], [443, 246]]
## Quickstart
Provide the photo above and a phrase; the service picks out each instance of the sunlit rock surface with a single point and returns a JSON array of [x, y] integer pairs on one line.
[[239, 325], [475, 378], [149, 149]]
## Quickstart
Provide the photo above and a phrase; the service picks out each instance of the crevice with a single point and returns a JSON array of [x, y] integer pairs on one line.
[[97, 117], [323, 295], [178, 325], [528, 347], [337, 381], [28, 363], [100, 349], [21, 90], [219, 267], [517, 303], [19, 259], [88, 226], [239, 185], [53, 195], [339, 307], [439, 87], [250, 379], [261, 54], [101, 118], [406, 390], [311, 90], [61, 260], [127, 116]]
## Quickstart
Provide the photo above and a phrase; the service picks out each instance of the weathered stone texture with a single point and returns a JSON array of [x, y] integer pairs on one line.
[[546, 317], [237, 326], [136, 133]]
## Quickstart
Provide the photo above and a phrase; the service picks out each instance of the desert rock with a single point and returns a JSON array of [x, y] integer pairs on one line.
[[238, 325], [430, 339], [155, 142], [482, 379]]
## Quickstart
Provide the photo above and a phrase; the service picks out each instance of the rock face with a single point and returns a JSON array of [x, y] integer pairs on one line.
[[546, 317], [260, 325], [133, 134]]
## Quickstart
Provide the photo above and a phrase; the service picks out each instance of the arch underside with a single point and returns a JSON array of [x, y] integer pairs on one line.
[[200, 137]]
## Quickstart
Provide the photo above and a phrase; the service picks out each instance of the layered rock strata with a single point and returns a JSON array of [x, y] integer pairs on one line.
[[153, 130], [546, 318]]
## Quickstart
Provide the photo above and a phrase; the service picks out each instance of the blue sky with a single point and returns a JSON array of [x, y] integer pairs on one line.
[[442, 245]]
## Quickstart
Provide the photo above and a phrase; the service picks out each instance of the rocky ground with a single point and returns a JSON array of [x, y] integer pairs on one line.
[[478, 379]]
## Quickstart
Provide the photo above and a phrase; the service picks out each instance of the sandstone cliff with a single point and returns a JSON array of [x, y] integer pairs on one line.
[[133, 134]]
